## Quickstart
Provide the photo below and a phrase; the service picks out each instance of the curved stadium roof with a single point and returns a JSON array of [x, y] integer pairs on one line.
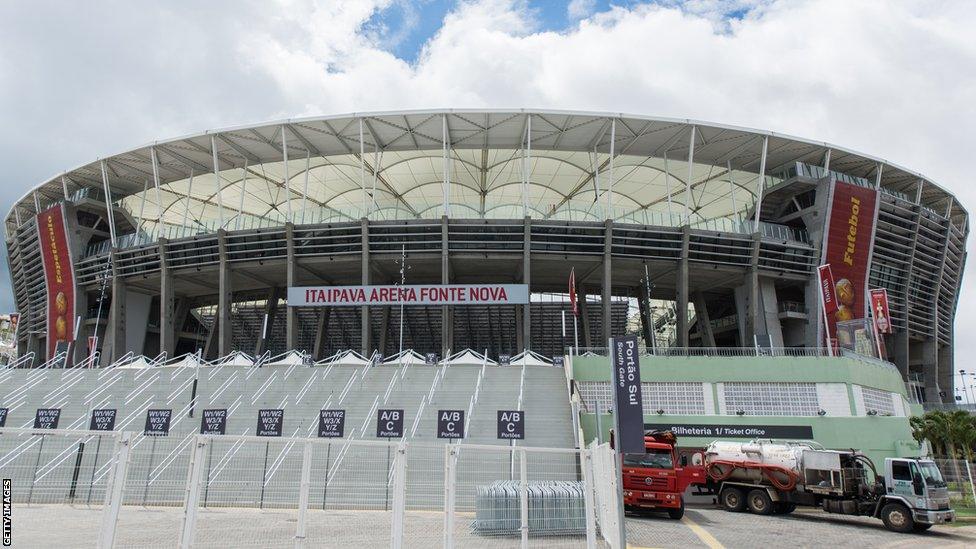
[[392, 165]]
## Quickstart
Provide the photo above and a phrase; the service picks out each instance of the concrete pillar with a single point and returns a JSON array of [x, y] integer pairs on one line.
[[321, 333], [447, 335], [584, 315], [704, 321], [210, 345], [225, 299], [291, 314], [367, 344], [527, 280], [167, 304], [898, 352], [754, 322], [947, 373], [681, 289], [607, 282], [931, 374], [116, 320], [270, 312]]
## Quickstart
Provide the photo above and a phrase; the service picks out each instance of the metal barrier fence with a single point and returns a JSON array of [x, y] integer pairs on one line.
[[121, 489], [958, 475]]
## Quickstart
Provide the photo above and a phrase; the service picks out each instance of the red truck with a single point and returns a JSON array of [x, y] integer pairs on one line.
[[657, 479]]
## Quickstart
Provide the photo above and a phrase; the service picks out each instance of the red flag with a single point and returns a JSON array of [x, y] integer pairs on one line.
[[572, 291], [828, 293]]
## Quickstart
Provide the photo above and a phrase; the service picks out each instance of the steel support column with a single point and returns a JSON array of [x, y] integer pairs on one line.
[[225, 299], [366, 336], [681, 289], [291, 313], [643, 306], [447, 335], [321, 333], [270, 312], [167, 304], [116, 319], [527, 280], [607, 282]]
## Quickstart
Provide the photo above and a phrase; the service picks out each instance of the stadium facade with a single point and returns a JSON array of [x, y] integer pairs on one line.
[[714, 232]]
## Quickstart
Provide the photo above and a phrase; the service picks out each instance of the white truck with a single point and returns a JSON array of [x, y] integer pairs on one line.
[[773, 477]]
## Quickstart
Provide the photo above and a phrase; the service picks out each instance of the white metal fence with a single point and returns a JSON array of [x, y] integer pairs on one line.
[[958, 474], [121, 489]]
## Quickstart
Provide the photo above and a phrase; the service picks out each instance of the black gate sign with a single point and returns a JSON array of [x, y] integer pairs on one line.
[[505, 360], [157, 423], [557, 361], [270, 422], [47, 418], [511, 424], [214, 422], [332, 423], [389, 423], [628, 411], [102, 420], [431, 358], [450, 423], [3, 417]]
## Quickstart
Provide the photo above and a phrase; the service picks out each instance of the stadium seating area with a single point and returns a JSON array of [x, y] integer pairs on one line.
[[353, 470]]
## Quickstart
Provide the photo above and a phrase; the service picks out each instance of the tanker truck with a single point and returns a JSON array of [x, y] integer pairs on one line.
[[774, 477]]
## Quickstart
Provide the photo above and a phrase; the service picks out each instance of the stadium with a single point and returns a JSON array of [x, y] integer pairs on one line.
[[476, 261], [190, 243]]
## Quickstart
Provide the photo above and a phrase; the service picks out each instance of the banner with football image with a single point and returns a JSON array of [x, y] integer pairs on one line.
[[59, 277], [847, 250]]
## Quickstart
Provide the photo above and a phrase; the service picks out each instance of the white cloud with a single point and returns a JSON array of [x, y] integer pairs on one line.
[[891, 79], [578, 9]]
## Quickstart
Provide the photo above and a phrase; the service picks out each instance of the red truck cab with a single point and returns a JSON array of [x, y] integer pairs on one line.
[[657, 479]]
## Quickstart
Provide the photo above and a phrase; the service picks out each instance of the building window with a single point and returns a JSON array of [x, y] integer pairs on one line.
[[675, 397], [771, 399]]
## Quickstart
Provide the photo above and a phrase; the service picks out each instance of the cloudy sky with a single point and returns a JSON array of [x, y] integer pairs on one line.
[[895, 79]]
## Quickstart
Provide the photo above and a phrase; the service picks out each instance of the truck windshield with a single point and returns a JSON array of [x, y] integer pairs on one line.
[[931, 473], [654, 459]]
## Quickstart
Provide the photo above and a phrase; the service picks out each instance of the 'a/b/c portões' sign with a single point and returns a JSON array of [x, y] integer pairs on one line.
[[419, 294]]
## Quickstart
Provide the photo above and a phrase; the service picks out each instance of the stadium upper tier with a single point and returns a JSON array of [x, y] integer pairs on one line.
[[572, 166]]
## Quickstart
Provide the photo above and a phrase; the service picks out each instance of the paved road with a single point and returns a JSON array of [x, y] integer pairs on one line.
[[217, 528], [709, 527]]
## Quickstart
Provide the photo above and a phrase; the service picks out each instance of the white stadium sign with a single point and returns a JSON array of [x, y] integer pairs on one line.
[[419, 294]]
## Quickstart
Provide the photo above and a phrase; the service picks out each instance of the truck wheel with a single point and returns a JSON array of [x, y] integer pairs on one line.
[[897, 518], [733, 499], [676, 514], [759, 502]]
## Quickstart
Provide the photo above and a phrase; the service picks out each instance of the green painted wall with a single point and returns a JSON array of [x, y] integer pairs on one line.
[[877, 436], [719, 369]]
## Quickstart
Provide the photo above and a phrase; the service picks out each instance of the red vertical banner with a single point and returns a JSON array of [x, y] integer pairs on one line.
[[847, 249], [59, 277], [879, 310], [828, 296]]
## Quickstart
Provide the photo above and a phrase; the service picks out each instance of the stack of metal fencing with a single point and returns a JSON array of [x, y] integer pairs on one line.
[[555, 508]]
